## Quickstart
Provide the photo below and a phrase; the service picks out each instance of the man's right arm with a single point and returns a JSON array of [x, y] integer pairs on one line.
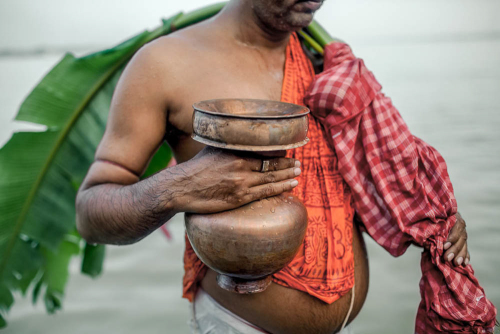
[[114, 206]]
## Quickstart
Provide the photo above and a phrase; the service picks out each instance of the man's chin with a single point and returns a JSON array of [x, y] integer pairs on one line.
[[300, 20]]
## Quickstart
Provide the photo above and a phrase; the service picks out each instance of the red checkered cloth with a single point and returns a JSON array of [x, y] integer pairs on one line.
[[401, 189]]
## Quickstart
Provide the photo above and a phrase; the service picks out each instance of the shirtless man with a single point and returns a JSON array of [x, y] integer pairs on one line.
[[240, 53]]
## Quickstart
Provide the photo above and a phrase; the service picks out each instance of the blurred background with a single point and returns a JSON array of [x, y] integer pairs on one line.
[[439, 60]]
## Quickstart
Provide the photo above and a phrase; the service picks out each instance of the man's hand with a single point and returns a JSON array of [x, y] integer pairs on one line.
[[217, 180], [456, 245]]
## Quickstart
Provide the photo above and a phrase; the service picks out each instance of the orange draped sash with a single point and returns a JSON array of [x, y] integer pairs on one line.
[[324, 265]]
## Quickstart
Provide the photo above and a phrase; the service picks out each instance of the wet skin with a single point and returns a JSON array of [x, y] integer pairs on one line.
[[223, 57]]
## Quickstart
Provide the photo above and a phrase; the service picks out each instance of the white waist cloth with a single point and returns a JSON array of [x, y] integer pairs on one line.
[[209, 317]]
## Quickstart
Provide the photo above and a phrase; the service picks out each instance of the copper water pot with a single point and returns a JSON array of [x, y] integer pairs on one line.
[[248, 244]]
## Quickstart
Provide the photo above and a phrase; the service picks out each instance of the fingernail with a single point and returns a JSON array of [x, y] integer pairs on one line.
[[466, 262], [460, 260], [297, 171], [447, 245], [450, 257], [294, 183], [297, 163]]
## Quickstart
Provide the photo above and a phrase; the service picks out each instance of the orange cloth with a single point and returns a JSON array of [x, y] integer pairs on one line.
[[324, 265]]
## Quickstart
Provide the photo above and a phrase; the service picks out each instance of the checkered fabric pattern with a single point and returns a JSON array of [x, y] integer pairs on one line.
[[401, 189]]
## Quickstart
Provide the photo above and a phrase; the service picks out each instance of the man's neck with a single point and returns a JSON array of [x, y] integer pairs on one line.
[[239, 18]]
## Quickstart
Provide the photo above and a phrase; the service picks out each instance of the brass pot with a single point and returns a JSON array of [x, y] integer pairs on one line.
[[248, 244]]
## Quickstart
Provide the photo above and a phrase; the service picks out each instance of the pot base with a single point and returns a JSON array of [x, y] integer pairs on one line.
[[243, 286]]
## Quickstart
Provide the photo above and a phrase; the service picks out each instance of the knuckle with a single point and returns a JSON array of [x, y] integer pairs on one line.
[[254, 196], [242, 163], [269, 178], [282, 163], [239, 197], [238, 164], [268, 191], [274, 164], [246, 199], [238, 181]]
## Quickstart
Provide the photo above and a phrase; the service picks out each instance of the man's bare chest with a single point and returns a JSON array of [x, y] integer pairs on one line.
[[215, 82]]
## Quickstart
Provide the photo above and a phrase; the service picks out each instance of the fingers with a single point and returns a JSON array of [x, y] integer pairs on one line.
[[456, 244], [461, 256], [270, 189], [275, 164], [456, 231], [282, 163], [270, 177], [457, 252]]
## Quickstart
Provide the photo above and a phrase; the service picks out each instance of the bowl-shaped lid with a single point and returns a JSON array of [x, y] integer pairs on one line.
[[250, 125], [251, 108]]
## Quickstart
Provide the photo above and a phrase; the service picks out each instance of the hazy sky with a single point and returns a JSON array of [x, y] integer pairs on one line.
[[27, 24]]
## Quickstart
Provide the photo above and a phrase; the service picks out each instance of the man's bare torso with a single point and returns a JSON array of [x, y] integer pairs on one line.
[[205, 64]]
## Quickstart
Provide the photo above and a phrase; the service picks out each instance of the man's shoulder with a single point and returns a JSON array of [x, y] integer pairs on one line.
[[173, 53], [177, 44], [164, 51]]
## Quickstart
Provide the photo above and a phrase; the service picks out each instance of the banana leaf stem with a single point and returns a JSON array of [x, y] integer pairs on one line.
[[315, 45], [197, 16], [319, 34]]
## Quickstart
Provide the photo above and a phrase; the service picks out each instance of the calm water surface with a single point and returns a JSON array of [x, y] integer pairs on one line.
[[438, 60]]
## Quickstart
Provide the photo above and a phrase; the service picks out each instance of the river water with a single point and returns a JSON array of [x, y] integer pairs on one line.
[[440, 62]]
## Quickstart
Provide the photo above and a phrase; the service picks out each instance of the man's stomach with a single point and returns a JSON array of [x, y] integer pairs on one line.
[[281, 310]]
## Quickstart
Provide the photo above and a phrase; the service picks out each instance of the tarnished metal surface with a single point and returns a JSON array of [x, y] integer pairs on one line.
[[249, 148], [243, 286], [250, 242], [250, 125]]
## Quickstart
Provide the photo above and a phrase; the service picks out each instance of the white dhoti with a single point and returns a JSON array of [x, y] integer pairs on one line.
[[209, 317]]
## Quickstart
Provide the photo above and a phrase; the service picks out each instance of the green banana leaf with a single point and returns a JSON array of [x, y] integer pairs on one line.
[[40, 172]]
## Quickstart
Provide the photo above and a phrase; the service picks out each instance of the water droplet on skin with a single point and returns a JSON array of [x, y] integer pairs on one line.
[[252, 208], [239, 200], [290, 197], [232, 227], [273, 210], [260, 214], [248, 191]]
